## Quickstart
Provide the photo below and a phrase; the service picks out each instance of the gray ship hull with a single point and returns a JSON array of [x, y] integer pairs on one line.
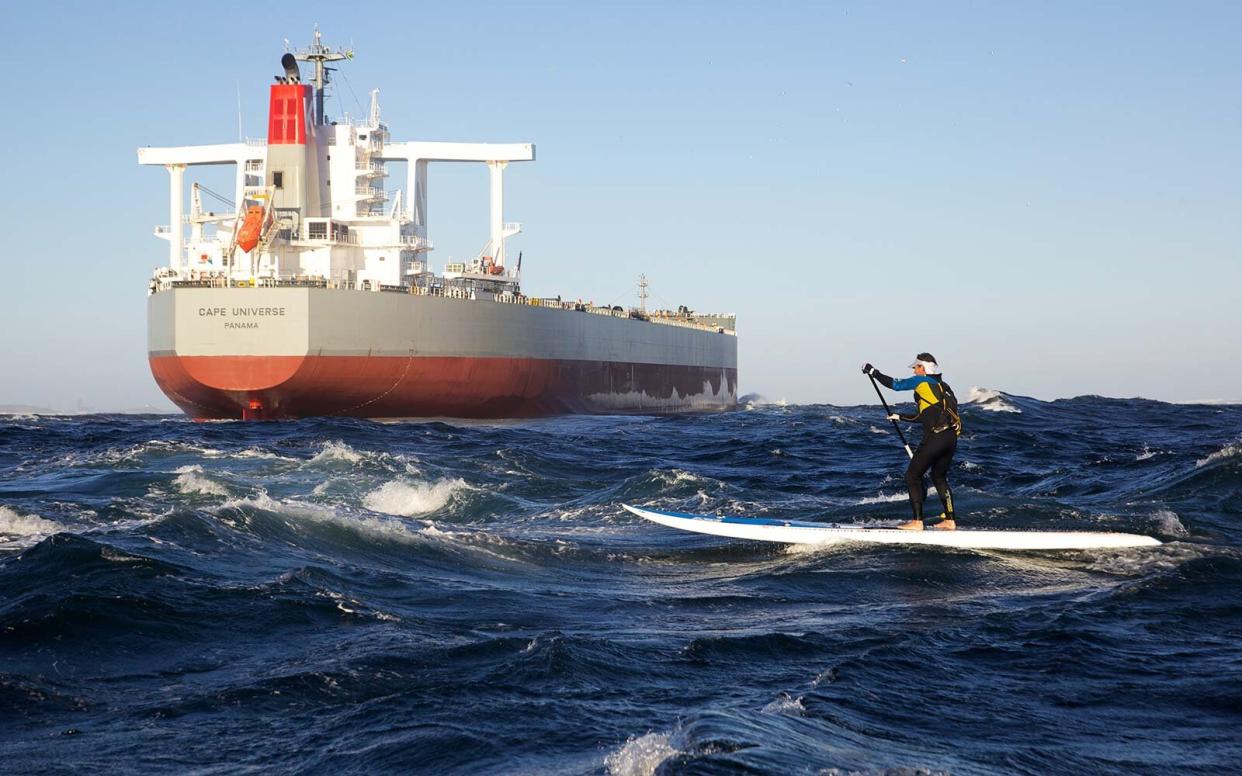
[[300, 352]]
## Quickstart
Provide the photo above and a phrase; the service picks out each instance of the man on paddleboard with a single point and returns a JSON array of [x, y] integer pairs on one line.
[[936, 409]]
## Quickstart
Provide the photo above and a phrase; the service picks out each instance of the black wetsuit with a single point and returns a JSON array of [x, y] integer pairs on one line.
[[936, 451]]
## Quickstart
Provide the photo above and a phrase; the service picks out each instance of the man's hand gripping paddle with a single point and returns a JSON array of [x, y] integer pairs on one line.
[[887, 412]]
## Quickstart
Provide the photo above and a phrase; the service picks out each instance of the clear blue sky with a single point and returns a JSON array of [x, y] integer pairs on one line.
[[1044, 195]]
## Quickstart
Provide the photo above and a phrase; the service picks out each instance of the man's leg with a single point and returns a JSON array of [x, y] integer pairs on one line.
[[940, 478], [919, 464]]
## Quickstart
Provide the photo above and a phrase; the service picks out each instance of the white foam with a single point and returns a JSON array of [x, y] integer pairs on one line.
[[137, 452], [406, 498], [987, 399], [673, 477], [640, 756], [835, 548], [301, 510], [1145, 560], [13, 523], [190, 480], [881, 498], [337, 451], [785, 704], [753, 401], [254, 452], [1226, 452]]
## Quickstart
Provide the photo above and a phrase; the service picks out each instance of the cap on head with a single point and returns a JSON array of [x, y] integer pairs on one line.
[[928, 362]]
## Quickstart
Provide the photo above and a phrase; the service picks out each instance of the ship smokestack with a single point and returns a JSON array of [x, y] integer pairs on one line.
[[292, 74], [294, 151]]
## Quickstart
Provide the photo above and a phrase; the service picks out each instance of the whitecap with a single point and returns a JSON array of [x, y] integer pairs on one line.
[[786, 704], [135, 453], [407, 498], [20, 417], [13, 523], [672, 477], [337, 451], [190, 480], [754, 402], [320, 513], [1226, 452], [987, 399], [640, 756], [254, 452]]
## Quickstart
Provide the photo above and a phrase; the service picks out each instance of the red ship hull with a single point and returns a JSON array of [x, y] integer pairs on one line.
[[274, 387]]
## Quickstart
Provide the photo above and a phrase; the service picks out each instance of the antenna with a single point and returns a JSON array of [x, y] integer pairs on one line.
[[240, 137], [320, 55], [642, 293]]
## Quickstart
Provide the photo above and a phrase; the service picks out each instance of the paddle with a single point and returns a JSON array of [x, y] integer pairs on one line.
[[888, 412]]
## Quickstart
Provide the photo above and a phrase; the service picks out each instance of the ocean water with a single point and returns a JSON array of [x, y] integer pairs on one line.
[[340, 596]]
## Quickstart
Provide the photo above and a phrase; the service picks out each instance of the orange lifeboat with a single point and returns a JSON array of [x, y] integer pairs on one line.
[[251, 228]]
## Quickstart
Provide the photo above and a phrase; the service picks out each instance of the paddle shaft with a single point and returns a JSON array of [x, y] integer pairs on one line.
[[888, 412]]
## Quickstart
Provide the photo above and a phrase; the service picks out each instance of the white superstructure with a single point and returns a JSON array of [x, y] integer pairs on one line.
[[341, 226]]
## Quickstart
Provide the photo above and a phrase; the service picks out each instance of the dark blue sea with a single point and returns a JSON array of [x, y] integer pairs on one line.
[[339, 596]]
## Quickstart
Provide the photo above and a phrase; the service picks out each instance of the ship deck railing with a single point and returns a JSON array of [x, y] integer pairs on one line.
[[164, 283]]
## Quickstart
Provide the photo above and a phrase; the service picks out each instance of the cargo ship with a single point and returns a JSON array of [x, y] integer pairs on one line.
[[311, 291]]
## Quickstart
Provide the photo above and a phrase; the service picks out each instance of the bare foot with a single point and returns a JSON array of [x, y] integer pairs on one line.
[[913, 525], [945, 525]]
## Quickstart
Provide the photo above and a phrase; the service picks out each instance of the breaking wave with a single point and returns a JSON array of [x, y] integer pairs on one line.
[[992, 401], [337, 451], [191, 480], [403, 497], [640, 756], [1229, 451], [15, 524]]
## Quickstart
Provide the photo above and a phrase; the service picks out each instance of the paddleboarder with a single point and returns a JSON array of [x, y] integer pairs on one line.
[[936, 410]]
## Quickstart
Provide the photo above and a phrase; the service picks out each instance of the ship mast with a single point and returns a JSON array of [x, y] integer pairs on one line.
[[320, 55]]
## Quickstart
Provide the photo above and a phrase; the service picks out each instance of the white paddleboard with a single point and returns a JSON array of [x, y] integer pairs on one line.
[[800, 532]]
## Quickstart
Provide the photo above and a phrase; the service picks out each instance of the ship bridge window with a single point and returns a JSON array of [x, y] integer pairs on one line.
[[317, 230], [278, 179]]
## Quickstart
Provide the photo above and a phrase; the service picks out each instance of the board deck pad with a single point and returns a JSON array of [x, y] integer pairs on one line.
[[802, 532]]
